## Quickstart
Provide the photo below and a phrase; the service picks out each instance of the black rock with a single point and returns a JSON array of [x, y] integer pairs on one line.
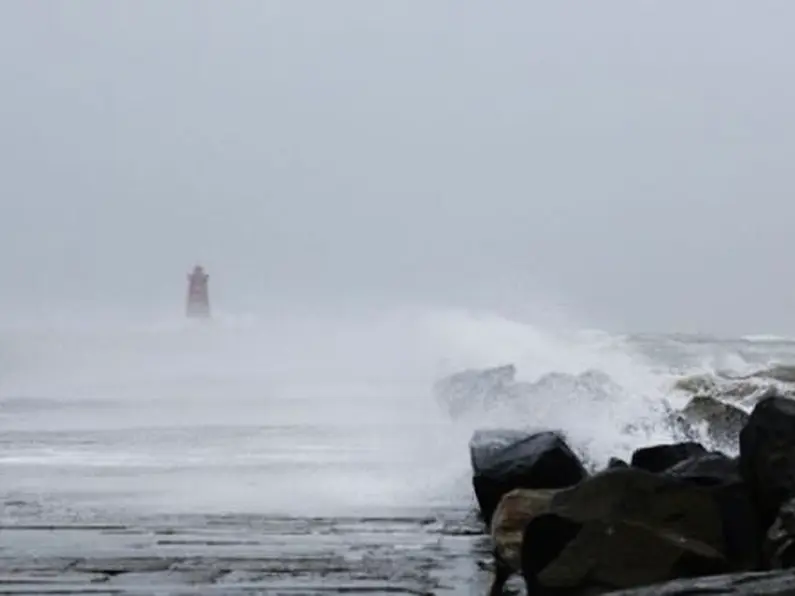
[[742, 532], [779, 548], [708, 468], [541, 460], [767, 455], [767, 583], [616, 462], [661, 457], [628, 527], [549, 535], [487, 443]]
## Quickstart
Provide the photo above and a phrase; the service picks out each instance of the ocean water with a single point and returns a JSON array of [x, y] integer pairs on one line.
[[258, 426]]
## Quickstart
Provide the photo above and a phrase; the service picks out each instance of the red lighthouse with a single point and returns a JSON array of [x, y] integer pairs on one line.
[[198, 295]]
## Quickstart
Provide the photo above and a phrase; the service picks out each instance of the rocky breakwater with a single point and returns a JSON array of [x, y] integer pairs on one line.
[[676, 519]]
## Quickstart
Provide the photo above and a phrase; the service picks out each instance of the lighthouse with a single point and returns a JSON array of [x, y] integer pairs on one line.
[[198, 296]]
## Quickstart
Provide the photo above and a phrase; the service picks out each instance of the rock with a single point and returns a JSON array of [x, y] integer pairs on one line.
[[541, 460], [724, 421], [780, 543], [616, 462], [628, 527], [515, 510], [708, 469], [486, 443], [768, 583], [545, 538], [463, 390], [661, 457], [767, 455]]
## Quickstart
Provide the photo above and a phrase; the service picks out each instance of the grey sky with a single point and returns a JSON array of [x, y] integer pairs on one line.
[[631, 160]]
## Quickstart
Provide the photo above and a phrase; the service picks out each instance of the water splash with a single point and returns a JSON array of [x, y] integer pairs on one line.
[[302, 413]]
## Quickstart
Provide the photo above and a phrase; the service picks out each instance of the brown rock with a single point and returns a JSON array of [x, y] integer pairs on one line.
[[516, 509]]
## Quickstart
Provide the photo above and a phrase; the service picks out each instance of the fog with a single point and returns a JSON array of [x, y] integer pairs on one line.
[[626, 163]]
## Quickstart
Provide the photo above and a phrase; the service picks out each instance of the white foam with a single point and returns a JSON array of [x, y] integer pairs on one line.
[[311, 412]]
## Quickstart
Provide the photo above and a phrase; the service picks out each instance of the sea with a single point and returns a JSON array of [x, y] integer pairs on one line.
[[300, 455]]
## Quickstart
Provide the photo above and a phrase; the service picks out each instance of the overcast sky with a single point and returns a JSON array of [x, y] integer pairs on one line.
[[632, 160]]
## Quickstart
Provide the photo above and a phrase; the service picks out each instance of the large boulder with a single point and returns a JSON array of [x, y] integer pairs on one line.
[[723, 421], [486, 443], [515, 510], [464, 390], [626, 528], [539, 460], [767, 455], [658, 458], [708, 469]]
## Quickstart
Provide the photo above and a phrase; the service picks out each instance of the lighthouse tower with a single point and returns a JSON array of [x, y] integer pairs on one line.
[[198, 296]]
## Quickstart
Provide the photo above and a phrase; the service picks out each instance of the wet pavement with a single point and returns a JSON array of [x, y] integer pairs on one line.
[[442, 552]]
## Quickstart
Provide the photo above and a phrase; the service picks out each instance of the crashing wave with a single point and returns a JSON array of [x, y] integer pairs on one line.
[[743, 390], [487, 388], [714, 412]]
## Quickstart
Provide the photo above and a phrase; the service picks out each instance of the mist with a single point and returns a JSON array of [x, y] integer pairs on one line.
[[625, 164], [384, 194]]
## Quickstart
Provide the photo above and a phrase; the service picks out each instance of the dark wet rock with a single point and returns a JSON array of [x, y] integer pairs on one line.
[[616, 462], [486, 443], [628, 527], [658, 458], [545, 538], [767, 455], [723, 421], [708, 468], [464, 390], [779, 547], [767, 583], [541, 460]]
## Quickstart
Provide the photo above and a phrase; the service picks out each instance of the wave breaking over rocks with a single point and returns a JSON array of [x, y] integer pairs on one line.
[[678, 512], [708, 407], [324, 445]]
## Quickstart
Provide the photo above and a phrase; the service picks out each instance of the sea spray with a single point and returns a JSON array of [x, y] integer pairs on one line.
[[303, 414]]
